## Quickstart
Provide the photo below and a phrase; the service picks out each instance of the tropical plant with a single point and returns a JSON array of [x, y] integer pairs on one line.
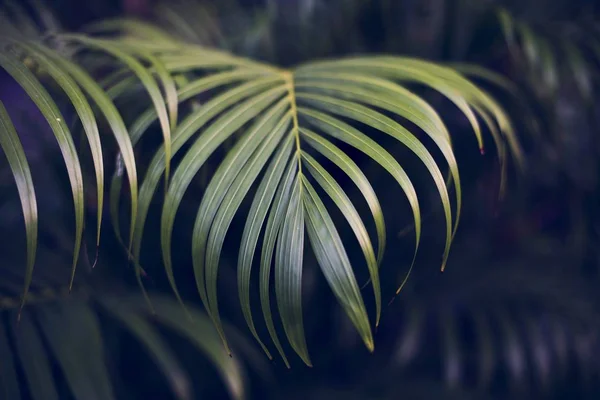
[[290, 131]]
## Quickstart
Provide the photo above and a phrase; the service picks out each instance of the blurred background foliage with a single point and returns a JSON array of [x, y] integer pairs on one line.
[[515, 315]]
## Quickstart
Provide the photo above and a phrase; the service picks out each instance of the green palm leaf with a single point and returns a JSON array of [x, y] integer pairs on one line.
[[230, 180], [84, 111], [12, 148], [73, 80], [115, 121], [345, 163], [50, 111], [277, 122], [143, 122], [125, 55], [341, 199], [350, 89], [263, 198], [232, 201], [272, 230]]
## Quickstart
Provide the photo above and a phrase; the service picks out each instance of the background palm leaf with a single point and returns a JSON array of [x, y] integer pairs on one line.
[[70, 331], [502, 331]]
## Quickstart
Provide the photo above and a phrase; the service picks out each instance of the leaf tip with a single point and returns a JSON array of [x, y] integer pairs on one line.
[[96, 256], [266, 351], [370, 345], [445, 260]]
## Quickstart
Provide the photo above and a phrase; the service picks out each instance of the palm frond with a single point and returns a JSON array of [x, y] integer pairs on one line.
[[549, 58], [280, 123], [67, 333], [284, 108], [554, 67], [501, 330]]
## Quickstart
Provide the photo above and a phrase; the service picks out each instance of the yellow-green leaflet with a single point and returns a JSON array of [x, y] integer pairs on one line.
[[142, 123], [379, 121], [50, 111], [254, 222], [446, 81], [182, 134], [349, 167], [223, 181], [12, 148], [272, 232], [348, 134], [145, 78], [134, 27], [115, 121], [391, 97], [213, 136], [343, 202], [288, 271], [85, 113], [230, 204], [165, 77], [331, 255]]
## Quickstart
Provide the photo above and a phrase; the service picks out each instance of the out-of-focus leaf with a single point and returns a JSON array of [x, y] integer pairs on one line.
[[158, 350], [34, 360], [202, 334], [73, 330], [9, 383]]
